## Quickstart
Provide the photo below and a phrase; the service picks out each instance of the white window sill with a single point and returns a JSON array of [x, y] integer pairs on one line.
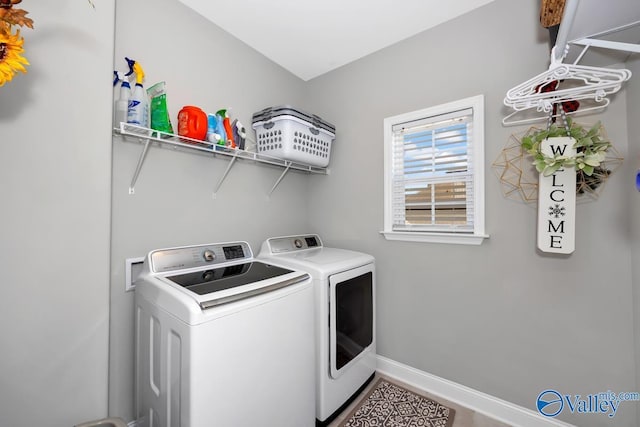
[[416, 236]]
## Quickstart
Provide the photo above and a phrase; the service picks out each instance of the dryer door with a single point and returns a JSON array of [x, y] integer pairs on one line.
[[351, 316]]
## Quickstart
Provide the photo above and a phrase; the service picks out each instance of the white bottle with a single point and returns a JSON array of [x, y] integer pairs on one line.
[[121, 107], [138, 110]]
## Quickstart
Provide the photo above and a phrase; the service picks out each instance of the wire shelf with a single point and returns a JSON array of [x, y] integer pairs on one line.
[[147, 136]]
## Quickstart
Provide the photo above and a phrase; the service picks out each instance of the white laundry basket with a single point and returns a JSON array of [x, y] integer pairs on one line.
[[290, 134]]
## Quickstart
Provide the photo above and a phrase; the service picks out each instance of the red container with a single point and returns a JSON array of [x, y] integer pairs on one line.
[[192, 122]]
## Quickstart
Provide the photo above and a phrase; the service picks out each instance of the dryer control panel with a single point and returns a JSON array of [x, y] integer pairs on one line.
[[183, 258], [278, 245]]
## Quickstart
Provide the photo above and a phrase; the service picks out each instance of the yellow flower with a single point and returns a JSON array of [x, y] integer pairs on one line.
[[11, 59]]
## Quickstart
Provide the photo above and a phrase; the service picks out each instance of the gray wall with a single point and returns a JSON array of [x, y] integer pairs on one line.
[[173, 204], [633, 106], [55, 159], [500, 318], [479, 325]]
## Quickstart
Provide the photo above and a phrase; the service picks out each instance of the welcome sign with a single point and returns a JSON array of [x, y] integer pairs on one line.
[[557, 200]]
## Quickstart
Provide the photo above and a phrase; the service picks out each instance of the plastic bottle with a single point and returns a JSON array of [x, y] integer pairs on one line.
[[138, 108], [222, 140], [224, 117], [212, 127], [121, 105], [192, 122]]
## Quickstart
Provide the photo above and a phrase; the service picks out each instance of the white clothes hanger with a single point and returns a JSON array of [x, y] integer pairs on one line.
[[582, 81], [578, 82], [542, 113], [590, 86]]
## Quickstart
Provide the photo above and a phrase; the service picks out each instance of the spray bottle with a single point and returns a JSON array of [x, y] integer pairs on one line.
[[121, 104], [227, 127], [138, 109]]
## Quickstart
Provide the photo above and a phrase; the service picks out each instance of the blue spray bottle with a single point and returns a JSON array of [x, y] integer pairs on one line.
[[121, 105], [138, 109]]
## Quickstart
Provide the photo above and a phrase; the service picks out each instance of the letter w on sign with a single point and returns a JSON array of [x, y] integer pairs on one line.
[[557, 201]]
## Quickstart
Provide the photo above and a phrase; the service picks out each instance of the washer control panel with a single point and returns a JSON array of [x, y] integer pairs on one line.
[[279, 245], [198, 256]]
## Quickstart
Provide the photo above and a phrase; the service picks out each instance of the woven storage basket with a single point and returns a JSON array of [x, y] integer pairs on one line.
[[551, 12]]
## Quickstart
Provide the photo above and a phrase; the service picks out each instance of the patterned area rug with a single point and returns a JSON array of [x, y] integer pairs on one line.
[[390, 405]]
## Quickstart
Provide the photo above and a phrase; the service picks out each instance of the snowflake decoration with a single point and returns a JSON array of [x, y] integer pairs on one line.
[[556, 211]]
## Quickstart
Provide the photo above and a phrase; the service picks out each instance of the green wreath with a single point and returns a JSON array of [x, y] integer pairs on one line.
[[591, 148]]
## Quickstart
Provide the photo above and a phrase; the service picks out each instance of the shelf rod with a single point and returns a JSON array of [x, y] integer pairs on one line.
[[607, 44], [224, 175], [284, 172], [132, 186]]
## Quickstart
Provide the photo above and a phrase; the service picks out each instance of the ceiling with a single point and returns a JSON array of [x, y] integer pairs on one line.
[[312, 37]]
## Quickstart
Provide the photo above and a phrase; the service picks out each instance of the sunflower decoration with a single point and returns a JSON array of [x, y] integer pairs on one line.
[[11, 44]]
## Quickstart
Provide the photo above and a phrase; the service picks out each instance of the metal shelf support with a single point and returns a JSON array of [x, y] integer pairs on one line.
[[284, 172], [224, 175], [132, 186]]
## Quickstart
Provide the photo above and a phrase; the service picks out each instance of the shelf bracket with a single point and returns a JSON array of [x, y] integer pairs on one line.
[[132, 186], [284, 172], [224, 175]]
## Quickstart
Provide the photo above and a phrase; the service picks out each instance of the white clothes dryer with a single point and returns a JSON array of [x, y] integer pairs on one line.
[[223, 340], [344, 287]]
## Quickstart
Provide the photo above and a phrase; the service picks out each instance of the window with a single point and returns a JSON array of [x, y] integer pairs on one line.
[[434, 174]]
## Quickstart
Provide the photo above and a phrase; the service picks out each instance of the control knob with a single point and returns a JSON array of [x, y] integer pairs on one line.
[[208, 255]]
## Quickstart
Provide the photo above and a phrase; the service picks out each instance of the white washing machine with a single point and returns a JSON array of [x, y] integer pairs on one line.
[[223, 340], [344, 286]]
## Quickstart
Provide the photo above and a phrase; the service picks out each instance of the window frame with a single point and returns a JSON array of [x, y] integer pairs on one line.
[[476, 103]]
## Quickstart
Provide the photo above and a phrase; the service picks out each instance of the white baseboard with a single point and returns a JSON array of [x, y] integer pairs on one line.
[[490, 406]]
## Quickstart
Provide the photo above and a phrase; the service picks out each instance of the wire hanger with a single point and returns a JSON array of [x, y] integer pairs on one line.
[[545, 110], [577, 82]]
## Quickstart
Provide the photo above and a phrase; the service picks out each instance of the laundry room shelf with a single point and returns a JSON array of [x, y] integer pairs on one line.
[[148, 137]]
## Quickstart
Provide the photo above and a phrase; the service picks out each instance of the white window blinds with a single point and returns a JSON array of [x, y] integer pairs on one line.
[[432, 174]]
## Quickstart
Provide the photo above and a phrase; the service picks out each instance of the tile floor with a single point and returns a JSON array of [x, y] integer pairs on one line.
[[464, 417]]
